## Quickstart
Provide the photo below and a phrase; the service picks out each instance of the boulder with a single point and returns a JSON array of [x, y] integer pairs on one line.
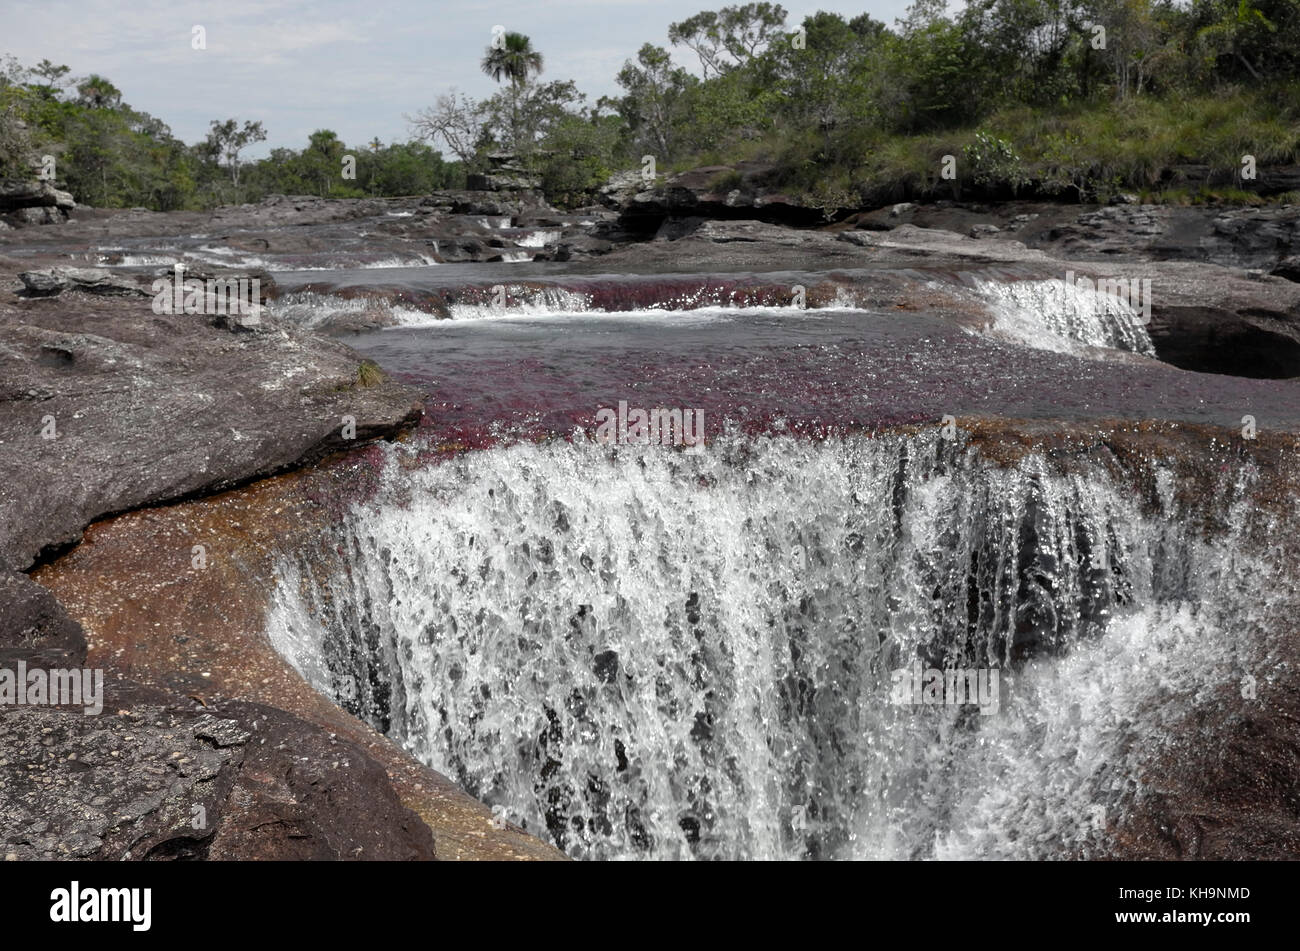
[[21, 194], [741, 191], [581, 247], [620, 188], [505, 173], [1288, 268], [53, 281], [160, 775]]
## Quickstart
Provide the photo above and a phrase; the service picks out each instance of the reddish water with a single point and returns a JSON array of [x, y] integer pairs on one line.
[[813, 372]]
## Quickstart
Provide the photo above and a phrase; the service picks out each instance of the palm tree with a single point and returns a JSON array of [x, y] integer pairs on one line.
[[515, 59], [98, 93]]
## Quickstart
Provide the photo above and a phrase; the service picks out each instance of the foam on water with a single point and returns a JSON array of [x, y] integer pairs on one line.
[[310, 309], [525, 302], [141, 260], [1060, 316], [537, 239], [647, 653]]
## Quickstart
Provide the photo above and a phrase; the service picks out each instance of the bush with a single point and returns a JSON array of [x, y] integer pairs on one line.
[[993, 162]]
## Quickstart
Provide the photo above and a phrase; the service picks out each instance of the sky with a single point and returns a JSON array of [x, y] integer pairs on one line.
[[355, 67]]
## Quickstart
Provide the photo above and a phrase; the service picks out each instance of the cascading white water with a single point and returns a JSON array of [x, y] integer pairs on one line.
[[1057, 315], [1046, 315], [524, 301], [314, 310], [538, 239], [650, 653]]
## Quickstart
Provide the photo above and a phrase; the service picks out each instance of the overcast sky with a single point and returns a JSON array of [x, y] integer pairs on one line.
[[352, 66]]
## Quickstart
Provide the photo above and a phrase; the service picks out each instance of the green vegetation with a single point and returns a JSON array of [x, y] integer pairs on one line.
[[109, 155], [1074, 98], [369, 374]]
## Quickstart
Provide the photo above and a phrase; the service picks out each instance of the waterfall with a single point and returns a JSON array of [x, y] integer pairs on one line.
[[1045, 314], [1054, 314], [656, 654], [524, 302]]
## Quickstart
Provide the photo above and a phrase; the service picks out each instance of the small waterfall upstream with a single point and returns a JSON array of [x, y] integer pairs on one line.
[[649, 653], [1057, 315], [1043, 314]]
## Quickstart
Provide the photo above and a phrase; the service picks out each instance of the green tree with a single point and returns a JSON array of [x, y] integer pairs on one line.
[[227, 139], [513, 58], [654, 94], [825, 85], [577, 156], [96, 92], [1238, 29], [731, 37]]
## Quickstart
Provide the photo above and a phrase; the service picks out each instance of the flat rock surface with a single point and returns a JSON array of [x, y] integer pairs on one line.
[[106, 406]]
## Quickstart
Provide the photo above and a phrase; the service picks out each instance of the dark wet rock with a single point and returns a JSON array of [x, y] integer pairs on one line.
[[582, 247], [716, 192], [35, 627], [21, 194], [1288, 268], [158, 776], [52, 281], [605, 666], [1252, 342], [105, 406]]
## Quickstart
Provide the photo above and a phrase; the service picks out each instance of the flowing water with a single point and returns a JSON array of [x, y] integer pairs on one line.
[[639, 651], [661, 654]]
